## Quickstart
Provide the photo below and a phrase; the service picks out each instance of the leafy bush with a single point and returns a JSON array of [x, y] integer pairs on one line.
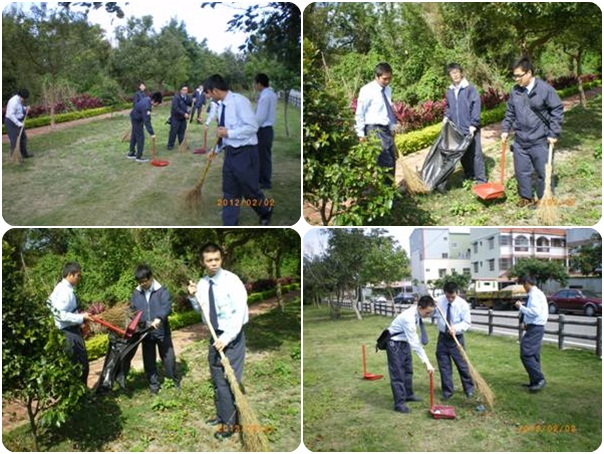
[[182, 319], [598, 152], [97, 346], [417, 140]]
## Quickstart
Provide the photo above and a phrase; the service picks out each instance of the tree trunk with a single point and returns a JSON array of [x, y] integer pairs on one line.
[[32, 424], [582, 97], [277, 266], [285, 113], [355, 306]]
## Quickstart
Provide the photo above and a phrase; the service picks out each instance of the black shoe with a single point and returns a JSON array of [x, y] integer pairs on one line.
[[213, 421], [223, 435], [470, 394], [404, 409], [28, 156], [447, 397], [266, 219], [413, 398], [537, 387], [131, 156], [169, 148], [525, 203]]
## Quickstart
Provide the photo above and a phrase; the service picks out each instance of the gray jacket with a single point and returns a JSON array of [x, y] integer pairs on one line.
[[520, 114]]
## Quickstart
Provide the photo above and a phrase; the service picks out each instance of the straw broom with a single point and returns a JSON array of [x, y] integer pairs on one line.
[[481, 385], [254, 438], [16, 153], [547, 211], [184, 146], [126, 135], [413, 181], [193, 197]]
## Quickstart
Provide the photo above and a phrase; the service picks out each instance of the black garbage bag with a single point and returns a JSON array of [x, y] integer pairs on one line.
[[117, 361], [444, 155]]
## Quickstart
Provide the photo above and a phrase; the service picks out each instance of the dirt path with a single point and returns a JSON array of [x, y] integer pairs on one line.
[[14, 415], [489, 135]]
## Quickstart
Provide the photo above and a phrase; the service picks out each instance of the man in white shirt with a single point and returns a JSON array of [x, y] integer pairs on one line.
[[265, 114], [457, 312], [241, 168], [375, 113], [403, 339], [221, 298], [15, 115], [64, 306], [534, 317]]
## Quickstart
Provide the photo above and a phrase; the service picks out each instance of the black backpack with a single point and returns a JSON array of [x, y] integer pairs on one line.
[[383, 339]]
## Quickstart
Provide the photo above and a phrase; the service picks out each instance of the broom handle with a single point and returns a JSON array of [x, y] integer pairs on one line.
[[121, 332], [153, 148], [448, 326], [550, 155], [205, 139], [211, 328], [364, 363], [431, 389], [503, 144]]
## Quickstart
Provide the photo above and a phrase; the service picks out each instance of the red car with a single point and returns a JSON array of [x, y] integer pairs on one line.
[[575, 300]]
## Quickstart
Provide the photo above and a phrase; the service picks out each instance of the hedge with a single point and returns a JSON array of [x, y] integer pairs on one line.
[[97, 345], [418, 140]]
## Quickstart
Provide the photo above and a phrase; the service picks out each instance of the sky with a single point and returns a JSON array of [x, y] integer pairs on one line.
[[207, 23]]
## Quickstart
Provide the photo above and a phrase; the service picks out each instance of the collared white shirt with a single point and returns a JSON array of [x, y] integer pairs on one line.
[[230, 298], [15, 111], [155, 286], [213, 114], [460, 314], [267, 107], [239, 120], [536, 310], [530, 86], [64, 305], [406, 324], [371, 108]]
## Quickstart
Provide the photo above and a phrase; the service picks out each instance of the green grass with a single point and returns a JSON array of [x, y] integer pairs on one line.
[[175, 421], [342, 412], [80, 176], [577, 170]]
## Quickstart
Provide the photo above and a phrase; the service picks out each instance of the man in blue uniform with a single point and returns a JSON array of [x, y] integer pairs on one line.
[[153, 300], [535, 112], [178, 116], [266, 110], [14, 118], [457, 312], [199, 99], [403, 339], [533, 318], [240, 172], [221, 298], [463, 109], [139, 116]]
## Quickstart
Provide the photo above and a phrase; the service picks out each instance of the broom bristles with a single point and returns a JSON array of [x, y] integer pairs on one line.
[[118, 315], [547, 211], [126, 135], [413, 182], [254, 437], [193, 199], [480, 384]]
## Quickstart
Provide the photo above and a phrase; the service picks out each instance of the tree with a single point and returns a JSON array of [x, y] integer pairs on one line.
[[540, 270], [462, 281], [588, 257], [36, 371]]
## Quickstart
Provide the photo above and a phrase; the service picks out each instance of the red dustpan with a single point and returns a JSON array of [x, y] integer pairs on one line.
[[367, 376], [491, 191], [203, 149], [439, 411], [156, 162]]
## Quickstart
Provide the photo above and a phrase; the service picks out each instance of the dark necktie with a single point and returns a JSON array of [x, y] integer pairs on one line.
[[449, 315], [521, 316], [422, 330], [221, 124], [391, 116], [213, 314]]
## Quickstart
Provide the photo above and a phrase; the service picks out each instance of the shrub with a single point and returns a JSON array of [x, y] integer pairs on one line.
[[182, 319], [262, 284], [97, 346]]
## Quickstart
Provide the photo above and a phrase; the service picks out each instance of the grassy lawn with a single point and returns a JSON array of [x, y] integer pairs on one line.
[[577, 169], [80, 176], [342, 412], [175, 421]]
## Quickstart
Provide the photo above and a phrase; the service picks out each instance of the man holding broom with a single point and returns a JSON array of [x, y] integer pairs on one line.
[[14, 121], [178, 116], [139, 116], [236, 134], [535, 112], [221, 298], [458, 320]]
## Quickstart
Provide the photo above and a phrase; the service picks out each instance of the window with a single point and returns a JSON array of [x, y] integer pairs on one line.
[[445, 255], [475, 267], [475, 245], [492, 265], [542, 244], [505, 263], [466, 271], [557, 242], [442, 272], [521, 244], [491, 243], [505, 240]]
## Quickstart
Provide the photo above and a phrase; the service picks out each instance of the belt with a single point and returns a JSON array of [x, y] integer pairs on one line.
[[231, 148], [73, 329]]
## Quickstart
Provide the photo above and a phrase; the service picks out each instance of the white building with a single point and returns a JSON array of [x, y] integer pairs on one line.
[[495, 251], [437, 252]]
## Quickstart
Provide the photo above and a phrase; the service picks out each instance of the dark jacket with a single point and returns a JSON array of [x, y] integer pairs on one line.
[[180, 106], [142, 112], [159, 306], [199, 99], [138, 96], [527, 125], [464, 110]]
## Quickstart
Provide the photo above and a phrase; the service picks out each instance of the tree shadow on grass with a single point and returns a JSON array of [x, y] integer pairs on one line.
[[97, 422], [268, 331]]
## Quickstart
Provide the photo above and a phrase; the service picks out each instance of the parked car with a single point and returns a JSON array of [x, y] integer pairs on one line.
[[405, 298], [575, 300]]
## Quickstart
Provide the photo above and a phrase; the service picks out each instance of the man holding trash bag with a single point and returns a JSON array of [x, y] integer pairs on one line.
[[535, 112], [463, 109]]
